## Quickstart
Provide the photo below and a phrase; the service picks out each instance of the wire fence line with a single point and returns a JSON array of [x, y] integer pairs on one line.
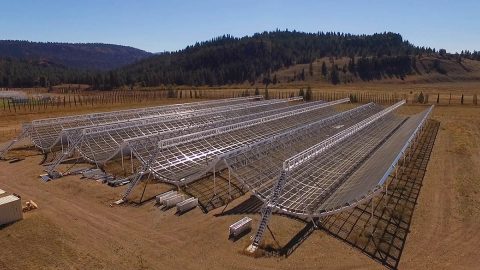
[[90, 99]]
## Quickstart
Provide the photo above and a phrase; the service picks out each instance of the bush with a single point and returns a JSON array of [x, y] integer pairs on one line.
[[421, 98]]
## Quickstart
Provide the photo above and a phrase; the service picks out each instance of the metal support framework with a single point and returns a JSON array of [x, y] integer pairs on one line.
[[271, 152], [315, 150], [205, 134], [152, 141], [98, 144], [45, 133], [107, 143], [136, 177], [186, 159], [147, 111], [240, 129], [144, 121], [377, 187], [295, 164], [25, 133], [268, 209], [298, 132]]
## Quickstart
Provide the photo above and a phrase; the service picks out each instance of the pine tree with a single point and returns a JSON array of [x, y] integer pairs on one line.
[[301, 93], [420, 98], [171, 92], [353, 98], [351, 65], [334, 75], [308, 94], [324, 70], [310, 69]]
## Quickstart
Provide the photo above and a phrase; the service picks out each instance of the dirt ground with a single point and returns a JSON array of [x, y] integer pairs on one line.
[[75, 228]]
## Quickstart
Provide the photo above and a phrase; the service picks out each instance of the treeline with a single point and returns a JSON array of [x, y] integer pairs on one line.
[[475, 55], [377, 68], [88, 56], [42, 73], [32, 73], [228, 60]]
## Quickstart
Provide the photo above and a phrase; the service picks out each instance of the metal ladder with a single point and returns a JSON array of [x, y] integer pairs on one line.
[[51, 169], [139, 175], [267, 211], [9, 145], [132, 184], [4, 150]]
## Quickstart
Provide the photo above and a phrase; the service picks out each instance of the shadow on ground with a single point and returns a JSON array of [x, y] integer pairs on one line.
[[382, 236], [214, 194]]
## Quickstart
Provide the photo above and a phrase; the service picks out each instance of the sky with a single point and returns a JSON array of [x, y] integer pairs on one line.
[[157, 26]]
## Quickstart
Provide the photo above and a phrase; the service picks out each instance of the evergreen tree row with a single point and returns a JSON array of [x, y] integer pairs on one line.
[[229, 60]]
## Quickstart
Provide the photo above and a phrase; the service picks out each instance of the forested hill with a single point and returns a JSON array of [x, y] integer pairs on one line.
[[86, 56], [268, 57], [227, 59]]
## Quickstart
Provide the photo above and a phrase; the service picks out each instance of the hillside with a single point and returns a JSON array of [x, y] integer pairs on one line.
[[91, 56], [37, 72], [263, 58], [252, 59], [428, 69], [228, 60]]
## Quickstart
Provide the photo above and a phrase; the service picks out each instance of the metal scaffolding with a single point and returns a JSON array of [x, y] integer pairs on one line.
[[307, 160], [100, 143], [46, 133], [183, 159], [339, 172], [105, 142]]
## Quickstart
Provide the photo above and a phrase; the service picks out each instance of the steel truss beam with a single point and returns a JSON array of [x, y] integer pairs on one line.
[[168, 129], [293, 133], [152, 141], [170, 117], [26, 129], [303, 157], [393, 166], [45, 132], [146, 157], [205, 134], [315, 150], [184, 106], [287, 143], [76, 137], [230, 128]]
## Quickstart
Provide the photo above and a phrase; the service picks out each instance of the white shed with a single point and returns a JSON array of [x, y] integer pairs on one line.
[[10, 209]]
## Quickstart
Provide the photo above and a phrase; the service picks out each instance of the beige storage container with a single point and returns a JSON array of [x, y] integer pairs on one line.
[[10, 209]]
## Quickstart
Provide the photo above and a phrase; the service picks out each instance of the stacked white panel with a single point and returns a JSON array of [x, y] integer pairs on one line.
[[187, 205], [162, 197], [240, 226], [172, 201]]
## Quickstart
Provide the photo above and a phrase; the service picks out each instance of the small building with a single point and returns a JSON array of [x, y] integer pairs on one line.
[[2, 193], [10, 209]]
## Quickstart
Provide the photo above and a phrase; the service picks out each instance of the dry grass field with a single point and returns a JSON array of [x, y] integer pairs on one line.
[[431, 214]]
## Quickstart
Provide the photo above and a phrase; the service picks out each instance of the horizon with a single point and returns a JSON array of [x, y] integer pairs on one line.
[[170, 26]]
